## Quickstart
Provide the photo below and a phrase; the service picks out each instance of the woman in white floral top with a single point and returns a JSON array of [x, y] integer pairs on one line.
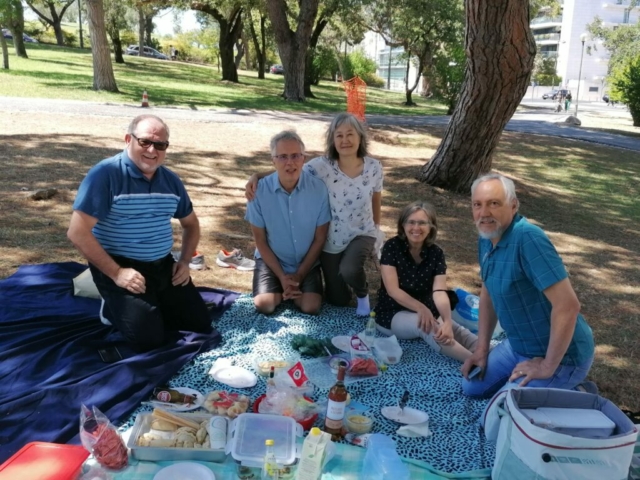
[[354, 181]]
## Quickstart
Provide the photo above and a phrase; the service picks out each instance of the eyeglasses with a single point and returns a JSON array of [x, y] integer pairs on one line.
[[283, 157], [417, 223], [144, 143]]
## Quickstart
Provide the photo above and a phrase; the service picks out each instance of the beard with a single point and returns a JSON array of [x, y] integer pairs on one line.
[[492, 235]]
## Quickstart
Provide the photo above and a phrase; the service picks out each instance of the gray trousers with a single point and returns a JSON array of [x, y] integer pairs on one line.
[[344, 271]]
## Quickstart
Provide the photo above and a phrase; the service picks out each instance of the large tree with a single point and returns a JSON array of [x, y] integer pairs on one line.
[[115, 19], [3, 42], [103, 77], [56, 9], [500, 51], [229, 18], [293, 44], [13, 15]]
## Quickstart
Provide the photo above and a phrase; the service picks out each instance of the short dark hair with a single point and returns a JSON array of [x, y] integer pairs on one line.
[[140, 118], [330, 146], [429, 210]]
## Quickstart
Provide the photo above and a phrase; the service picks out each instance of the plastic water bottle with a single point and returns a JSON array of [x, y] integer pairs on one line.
[[382, 462], [270, 467], [370, 330]]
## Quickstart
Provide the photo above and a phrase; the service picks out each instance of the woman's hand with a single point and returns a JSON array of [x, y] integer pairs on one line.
[[444, 333], [426, 322], [251, 187]]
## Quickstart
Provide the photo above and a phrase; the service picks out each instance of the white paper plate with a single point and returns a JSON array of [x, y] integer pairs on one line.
[[185, 471], [237, 377], [410, 416], [180, 407], [342, 342]]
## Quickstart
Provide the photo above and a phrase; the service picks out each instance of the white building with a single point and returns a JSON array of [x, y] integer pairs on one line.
[[562, 37], [393, 73]]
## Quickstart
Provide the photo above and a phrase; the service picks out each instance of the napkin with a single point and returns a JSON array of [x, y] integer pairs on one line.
[[416, 430]]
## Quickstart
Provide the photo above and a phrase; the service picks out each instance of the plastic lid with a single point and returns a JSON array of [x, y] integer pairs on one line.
[[268, 443], [44, 461], [315, 431], [251, 430]]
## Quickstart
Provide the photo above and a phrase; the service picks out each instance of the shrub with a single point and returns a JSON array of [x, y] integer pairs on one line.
[[625, 86], [357, 63], [373, 80]]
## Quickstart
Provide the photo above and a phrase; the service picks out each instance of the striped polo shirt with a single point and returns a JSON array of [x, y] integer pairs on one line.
[[134, 213], [516, 272]]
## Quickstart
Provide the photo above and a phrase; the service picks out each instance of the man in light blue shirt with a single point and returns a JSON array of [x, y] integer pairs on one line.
[[526, 287], [289, 218]]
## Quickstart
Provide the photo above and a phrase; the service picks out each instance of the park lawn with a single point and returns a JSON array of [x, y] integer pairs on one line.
[[585, 196], [60, 72]]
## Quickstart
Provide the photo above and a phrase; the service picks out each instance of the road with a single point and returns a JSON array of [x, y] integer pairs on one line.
[[533, 120]]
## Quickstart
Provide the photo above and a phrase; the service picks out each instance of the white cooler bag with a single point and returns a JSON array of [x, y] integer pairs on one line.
[[525, 451]]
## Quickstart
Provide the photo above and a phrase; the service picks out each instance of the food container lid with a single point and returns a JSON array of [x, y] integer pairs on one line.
[[44, 461], [251, 430]]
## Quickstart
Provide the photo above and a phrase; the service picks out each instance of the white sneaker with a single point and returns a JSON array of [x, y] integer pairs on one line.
[[235, 259], [197, 261]]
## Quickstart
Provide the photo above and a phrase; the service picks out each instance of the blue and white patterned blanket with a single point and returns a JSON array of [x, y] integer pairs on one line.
[[457, 443]]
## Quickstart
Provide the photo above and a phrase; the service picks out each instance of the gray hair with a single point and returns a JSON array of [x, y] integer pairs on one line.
[[141, 118], [345, 118], [507, 184], [284, 136]]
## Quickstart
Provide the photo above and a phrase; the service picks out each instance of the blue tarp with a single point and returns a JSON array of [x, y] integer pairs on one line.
[[49, 362]]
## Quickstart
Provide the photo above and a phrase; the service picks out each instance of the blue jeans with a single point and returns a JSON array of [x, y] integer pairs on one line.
[[500, 364]]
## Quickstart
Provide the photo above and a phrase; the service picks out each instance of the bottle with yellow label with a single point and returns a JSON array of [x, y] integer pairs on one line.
[[270, 467]]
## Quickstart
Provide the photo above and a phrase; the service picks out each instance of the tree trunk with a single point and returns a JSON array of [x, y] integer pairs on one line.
[[247, 51], [238, 57], [293, 46], [103, 78], [141, 25], [148, 28], [117, 47], [408, 91], [5, 52], [260, 52], [230, 29], [500, 50], [16, 26], [309, 75]]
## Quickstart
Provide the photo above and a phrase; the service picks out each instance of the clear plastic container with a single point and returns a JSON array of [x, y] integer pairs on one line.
[[251, 430], [382, 462]]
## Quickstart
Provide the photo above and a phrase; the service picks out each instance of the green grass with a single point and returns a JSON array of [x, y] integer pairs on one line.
[[59, 72]]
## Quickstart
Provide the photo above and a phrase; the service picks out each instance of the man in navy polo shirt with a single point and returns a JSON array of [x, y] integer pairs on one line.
[[526, 287], [121, 223], [289, 218]]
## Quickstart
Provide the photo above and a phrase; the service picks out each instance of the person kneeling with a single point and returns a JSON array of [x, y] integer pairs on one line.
[[289, 219], [412, 300]]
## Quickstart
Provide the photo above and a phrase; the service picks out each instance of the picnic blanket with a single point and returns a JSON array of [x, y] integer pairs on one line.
[[457, 443], [346, 465], [49, 362]]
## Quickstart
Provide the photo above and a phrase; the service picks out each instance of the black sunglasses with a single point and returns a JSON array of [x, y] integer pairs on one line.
[[144, 143]]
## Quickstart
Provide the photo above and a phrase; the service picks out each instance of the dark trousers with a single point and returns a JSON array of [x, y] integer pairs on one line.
[[144, 319], [344, 271]]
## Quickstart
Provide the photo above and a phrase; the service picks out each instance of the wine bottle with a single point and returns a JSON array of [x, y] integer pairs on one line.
[[336, 406]]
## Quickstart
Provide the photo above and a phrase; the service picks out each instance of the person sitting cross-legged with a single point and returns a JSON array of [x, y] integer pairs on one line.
[[289, 218]]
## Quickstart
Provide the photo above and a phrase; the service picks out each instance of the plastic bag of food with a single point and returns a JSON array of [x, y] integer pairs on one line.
[[100, 438], [362, 362]]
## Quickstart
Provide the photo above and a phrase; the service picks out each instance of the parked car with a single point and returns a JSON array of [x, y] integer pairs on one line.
[[277, 69], [25, 38], [148, 52], [554, 94]]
